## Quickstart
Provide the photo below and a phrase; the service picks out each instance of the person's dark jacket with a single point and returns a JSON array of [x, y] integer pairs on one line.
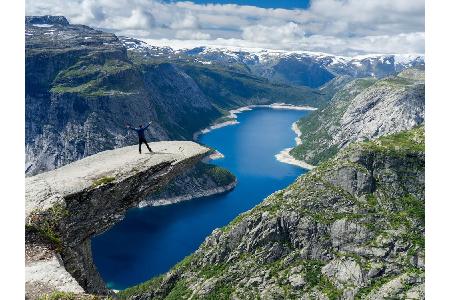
[[140, 131]]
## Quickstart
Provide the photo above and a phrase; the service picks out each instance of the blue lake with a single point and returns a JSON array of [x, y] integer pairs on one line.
[[149, 241]]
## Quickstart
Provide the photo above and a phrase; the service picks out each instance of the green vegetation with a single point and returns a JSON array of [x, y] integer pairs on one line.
[[58, 295], [401, 143], [148, 285], [319, 128], [219, 175], [390, 213], [102, 181], [94, 76], [202, 174], [179, 291], [213, 270], [220, 292], [229, 89], [375, 285], [46, 224]]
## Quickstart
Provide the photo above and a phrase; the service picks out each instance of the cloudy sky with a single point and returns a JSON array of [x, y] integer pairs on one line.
[[344, 27]]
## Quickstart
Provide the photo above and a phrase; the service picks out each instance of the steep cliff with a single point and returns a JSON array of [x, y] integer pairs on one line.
[[353, 228], [201, 181], [67, 206], [363, 109]]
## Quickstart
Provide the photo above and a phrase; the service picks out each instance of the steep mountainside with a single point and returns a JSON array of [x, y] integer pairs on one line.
[[353, 228], [83, 86], [363, 109]]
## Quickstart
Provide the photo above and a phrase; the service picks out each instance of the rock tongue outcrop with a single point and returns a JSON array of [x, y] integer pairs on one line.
[[67, 206], [351, 228]]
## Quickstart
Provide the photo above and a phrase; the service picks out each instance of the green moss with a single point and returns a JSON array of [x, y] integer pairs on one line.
[[179, 291], [219, 175], [102, 181], [220, 292], [371, 200], [313, 272], [184, 263], [58, 296], [46, 224], [213, 270], [402, 143]]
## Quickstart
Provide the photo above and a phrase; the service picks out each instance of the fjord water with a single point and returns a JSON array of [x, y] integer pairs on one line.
[[149, 241]]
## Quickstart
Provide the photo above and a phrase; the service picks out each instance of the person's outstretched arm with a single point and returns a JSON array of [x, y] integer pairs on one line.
[[129, 127], [147, 125]]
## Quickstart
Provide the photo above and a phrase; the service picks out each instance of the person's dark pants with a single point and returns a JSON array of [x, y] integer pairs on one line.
[[145, 142]]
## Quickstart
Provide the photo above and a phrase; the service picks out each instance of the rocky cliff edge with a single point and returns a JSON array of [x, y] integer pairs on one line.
[[67, 206]]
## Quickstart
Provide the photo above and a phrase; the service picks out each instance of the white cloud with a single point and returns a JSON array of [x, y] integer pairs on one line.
[[192, 35], [273, 34], [335, 26], [189, 21]]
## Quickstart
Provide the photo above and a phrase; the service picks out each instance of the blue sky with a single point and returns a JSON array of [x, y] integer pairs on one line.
[[342, 27], [288, 4]]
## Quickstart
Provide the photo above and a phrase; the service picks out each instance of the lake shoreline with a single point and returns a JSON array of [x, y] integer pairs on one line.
[[234, 112], [285, 157]]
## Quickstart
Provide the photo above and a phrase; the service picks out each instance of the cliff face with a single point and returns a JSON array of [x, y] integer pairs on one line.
[[200, 181], [351, 228], [67, 206], [363, 109]]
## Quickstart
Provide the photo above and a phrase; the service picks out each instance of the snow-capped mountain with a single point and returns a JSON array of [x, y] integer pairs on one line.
[[312, 69]]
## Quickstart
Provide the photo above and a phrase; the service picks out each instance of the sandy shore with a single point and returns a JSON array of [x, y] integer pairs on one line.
[[287, 158], [234, 112]]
